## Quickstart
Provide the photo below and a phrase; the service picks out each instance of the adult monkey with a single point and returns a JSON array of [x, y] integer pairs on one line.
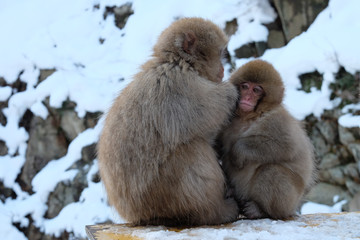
[[155, 152], [267, 155]]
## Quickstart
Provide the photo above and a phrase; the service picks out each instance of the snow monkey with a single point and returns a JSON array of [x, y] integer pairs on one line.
[[155, 152], [267, 155]]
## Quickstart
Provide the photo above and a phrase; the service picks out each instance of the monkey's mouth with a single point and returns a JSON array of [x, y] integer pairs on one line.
[[246, 107], [246, 104]]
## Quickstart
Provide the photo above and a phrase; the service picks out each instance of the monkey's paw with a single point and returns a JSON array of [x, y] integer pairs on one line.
[[252, 211]]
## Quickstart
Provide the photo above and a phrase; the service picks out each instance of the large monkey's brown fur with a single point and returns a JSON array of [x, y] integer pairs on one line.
[[267, 155], [155, 152]]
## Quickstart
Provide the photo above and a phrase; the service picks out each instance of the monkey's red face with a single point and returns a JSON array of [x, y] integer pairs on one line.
[[220, 74], [250, 94], [212, 69], [216, 67]]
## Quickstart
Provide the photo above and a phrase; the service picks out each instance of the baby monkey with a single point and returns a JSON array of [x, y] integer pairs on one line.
[[267, 155]]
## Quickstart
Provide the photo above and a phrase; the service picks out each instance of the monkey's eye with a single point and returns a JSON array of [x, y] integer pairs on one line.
[[258, 90], [244, 86]]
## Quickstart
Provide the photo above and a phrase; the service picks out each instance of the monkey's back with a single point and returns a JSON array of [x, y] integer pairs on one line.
[[130, 150], [149, 162], [303, 158]]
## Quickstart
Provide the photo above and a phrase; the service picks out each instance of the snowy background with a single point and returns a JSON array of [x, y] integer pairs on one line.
[[64, 35]]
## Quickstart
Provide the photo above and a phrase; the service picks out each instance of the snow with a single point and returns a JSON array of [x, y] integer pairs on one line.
[[348, 119], [311, 207], [65, 35], [5, 93], [309, 227]]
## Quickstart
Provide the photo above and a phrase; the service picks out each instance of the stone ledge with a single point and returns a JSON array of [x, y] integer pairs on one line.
[[343, 225]]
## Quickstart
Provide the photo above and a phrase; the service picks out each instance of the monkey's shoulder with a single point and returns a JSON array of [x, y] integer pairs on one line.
[[279, 117]]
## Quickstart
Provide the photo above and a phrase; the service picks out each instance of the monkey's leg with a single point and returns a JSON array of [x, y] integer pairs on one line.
[[252, 210], [203, 184], [216, 209], [276, 191]]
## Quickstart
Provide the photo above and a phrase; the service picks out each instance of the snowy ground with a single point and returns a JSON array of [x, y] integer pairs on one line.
[[305, 227], [64, 34]]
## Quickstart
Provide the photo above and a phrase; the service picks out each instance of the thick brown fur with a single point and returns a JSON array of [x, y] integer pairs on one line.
[[267, 155], [155, 152]]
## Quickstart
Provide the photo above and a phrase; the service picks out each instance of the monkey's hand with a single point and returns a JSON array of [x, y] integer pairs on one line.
[[236, 157], [240, 163], [253, 211], [231, 94], [259, 148]]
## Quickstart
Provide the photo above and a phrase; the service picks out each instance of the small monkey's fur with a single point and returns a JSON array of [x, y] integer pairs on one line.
[[267, 155], [155, 152]]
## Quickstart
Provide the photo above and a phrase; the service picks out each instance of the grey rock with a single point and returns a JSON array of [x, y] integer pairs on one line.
[[297, 15], [3, 120], [356, 130], [231, 27], [66, 193], [2, 81], [91, 119], [324, 193], [254, 49], [354, 204], [329, 160], [276, 39], [3, 148], [345, 136], [88, 153], [332, 114], [309, 81], [71, 124], [344, 154], [355, 150], [329, 130], [45, 73], [59, 198], [352, 186], [45, 144], [122, 13], [319, 143], [351, 170], [6, 193], [333, 175]]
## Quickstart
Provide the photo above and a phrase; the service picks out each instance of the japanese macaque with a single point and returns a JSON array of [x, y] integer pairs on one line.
[[267, 155], [155, 152]]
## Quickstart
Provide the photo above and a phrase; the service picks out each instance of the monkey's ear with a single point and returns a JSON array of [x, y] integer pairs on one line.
[[189, 43]]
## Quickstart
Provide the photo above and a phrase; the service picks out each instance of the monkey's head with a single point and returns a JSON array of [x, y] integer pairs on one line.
[[260, 86], [196, 42]]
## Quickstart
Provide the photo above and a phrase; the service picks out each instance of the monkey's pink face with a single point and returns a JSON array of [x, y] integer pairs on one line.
[[250, 94], [216, 67], [220, 74]]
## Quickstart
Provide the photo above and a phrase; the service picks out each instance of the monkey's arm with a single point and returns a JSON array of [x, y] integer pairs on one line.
[[198, 111], [270, 144], [212, 109]]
